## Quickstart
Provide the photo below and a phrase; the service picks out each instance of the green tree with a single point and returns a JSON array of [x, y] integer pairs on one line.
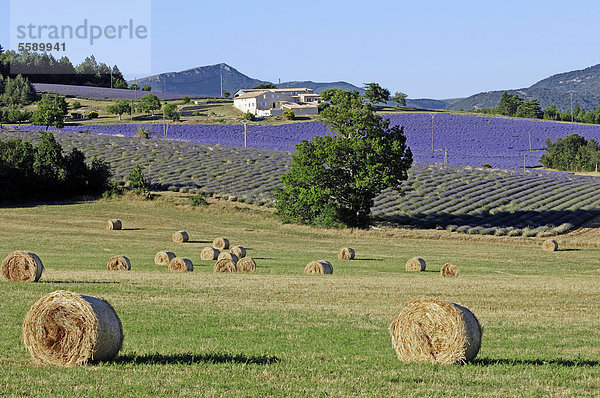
[[399, 98], [186, 100], [335, 178], [146, 88], [374, 93], [226, 94], [551, 113], [120, 107], [149, 103], [508, 104], [135, 87], [48, 161], [137, 180], [531, 109], [289, 115], [170, 112], [18, 91], [265, 86], [564, 154], [120, 83], [51, 111]]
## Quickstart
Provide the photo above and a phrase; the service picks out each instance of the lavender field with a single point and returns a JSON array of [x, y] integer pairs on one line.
[[503, 143], [462, 199], [101, 93]]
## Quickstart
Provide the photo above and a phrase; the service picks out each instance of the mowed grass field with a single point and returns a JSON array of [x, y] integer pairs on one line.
[[279, 332]]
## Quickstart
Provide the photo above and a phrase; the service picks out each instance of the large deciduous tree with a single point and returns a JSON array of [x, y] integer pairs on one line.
[[119, 108], [51, 111], [335, 178], [399, 98], [374, 93]]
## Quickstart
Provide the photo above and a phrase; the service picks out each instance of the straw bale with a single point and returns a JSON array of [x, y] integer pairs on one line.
[[225, 265], [415, 264], [246, 264], [239, 251], [180, 237], [66, 329], [228, 256], [318, 267], [181, 264], [221, 243], [22, 266], [345, 253], [209, 253], [550, 245], [114, 224], [163, 257], [118, 263], [449, 270], [435, 331]]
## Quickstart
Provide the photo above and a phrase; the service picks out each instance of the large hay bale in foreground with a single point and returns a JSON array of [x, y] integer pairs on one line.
[[221, 243], [65, 329], [114, 224], [180, 264], [246, 264], [209, 253], [449, 270], [415, 264], [346, 253], [550, 245], [180, 237], [22, 266], [225, 265], [318, 267], [228, 256], [118, 263], [435, 331], [239, 251], [163, 257]]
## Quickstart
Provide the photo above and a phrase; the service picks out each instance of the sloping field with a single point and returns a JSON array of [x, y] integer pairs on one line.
[[462, 199]]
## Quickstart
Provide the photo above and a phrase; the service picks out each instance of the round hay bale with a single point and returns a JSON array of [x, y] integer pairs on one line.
[[415, 264], [449, 270], [118, 263], [435, 331], [21, 266], [225, 265], [228, 256], [209, 253], [221, 243], [180, 264], [163, 257], [180, 237], [345, 253], [114, 224], [550, 245], [246, 264], [318, 267], [239, 251], [66, 329]]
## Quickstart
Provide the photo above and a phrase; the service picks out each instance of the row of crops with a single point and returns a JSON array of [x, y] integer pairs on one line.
[[465, 140], [463, 199]]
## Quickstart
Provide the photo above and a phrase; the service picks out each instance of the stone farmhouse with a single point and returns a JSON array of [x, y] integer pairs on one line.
[[273, 102]]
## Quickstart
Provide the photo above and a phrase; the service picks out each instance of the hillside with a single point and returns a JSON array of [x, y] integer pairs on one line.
[[584, 83], [462, 199]]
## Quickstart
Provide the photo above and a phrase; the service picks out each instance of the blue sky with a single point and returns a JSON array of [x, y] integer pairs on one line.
[[434, 49]]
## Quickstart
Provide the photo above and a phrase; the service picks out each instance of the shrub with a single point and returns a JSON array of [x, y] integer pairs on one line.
[[289, 115], [186, 100], [198, 200], [143, 132], [76, 105], [249, 116], [137, 180]]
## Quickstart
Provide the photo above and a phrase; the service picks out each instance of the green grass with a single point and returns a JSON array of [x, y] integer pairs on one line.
[[279, 332]]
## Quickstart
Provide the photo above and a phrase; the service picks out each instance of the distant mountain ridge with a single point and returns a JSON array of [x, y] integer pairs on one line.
[[206, 81], [554, 90]]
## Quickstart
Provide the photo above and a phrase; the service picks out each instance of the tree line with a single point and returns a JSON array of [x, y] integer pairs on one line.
[[44, 68], [44, 172], [571, 153], [513, 105]]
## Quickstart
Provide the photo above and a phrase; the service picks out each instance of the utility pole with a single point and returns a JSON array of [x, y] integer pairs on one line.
[[221, 81], [524, 161], [111, 85], [571, 92], [165, 85], [246, 133], [432, 117], [530, 141]]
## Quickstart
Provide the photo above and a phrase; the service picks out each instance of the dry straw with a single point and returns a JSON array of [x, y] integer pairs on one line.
[[21, 266], [435, 331], [180, 264], [209, 253], [114, 224], [180, 237], [221, 243], [67, 329], [318, 267], [550, 245], [118, 263], [163, 257], [239, 251], [415, 264], [246, 264], [225, 265], [345, 253], [228, 256], [449, 270]]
